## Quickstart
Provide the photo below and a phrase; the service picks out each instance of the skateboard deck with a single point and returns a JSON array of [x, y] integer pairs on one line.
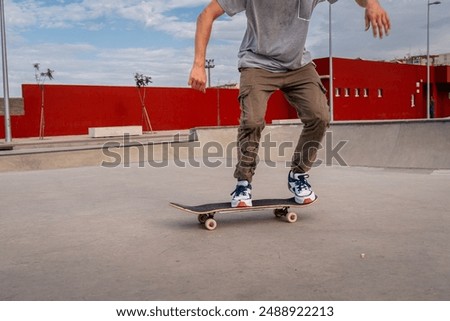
[[206, 212]]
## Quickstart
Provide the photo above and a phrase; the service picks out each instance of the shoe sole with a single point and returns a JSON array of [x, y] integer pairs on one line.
[[305, 200], [247, 203]]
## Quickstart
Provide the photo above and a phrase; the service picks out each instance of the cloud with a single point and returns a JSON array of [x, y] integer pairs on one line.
[[70, 14]]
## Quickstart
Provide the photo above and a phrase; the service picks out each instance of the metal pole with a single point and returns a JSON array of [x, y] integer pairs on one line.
[[428, 60], [331, 97], [209, 77], [209, 65], [428, 55], [5, 75]]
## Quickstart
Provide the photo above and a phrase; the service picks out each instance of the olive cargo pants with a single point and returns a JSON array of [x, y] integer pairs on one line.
[[303, 89]]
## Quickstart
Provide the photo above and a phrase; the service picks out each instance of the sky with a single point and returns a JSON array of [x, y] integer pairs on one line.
[[106, 42]]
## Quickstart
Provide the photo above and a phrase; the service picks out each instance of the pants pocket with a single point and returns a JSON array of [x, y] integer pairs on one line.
[[322, 87]]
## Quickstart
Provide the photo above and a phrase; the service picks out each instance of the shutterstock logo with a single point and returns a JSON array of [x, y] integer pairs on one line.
[[213, 154]]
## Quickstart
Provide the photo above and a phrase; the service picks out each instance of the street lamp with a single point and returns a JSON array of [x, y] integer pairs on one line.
[[5, 74], [330, 46], [209, 65], [428, 54]]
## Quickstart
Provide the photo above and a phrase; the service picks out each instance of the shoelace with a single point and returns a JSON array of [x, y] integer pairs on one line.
[[301, 183], [240, 190]]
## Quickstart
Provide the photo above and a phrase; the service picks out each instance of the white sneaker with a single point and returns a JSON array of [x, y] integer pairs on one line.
[[242, 195], [298, 185]]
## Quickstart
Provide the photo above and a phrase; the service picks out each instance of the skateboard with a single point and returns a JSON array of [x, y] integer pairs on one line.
[[205, 213]]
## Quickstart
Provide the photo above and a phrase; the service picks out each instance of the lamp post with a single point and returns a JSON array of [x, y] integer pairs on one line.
[[330, 46], [5, 74], [428, 54], [209, 65]]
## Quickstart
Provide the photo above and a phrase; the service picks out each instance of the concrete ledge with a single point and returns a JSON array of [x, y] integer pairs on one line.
[[6, 146], [395, 144], [79, 151], [388, 144], [97, 132], [286, 122]]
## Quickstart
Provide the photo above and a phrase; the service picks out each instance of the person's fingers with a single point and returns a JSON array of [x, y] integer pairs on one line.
[[386, 24], [367, 22], [379, 22], [379, 27], [375, 29], [197, 84]]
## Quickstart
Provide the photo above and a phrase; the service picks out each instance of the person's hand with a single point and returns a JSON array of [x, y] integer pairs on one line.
[[197, 78], [377, 18]]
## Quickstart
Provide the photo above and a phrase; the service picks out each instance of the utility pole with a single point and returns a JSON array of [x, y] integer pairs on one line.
[[428, 55], [209, 65], [5, 74], [330, 47]]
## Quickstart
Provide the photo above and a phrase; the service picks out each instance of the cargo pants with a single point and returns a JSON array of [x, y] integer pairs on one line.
[[304, 91]]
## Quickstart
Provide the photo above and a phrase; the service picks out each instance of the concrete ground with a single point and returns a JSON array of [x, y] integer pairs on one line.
[[94, 233]]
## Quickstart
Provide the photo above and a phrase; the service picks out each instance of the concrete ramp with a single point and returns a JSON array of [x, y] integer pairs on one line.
[[397, 144], [403, 144], [394, 144]]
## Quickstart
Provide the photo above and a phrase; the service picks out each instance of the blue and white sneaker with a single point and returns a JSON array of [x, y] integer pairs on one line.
[[298, 185], [242, 195]]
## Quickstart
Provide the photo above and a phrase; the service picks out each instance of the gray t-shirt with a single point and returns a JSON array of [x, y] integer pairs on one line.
[[276, 32]]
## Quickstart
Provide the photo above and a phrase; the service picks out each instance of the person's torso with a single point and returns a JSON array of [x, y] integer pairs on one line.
[[276, 34]]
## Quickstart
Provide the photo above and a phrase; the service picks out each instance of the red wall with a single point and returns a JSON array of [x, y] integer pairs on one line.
[[443, 86], [398, 82], [71, 110]]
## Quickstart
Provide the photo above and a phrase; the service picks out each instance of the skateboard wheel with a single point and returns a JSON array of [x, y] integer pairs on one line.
[[202, 218], [210, 224], [291, 217]]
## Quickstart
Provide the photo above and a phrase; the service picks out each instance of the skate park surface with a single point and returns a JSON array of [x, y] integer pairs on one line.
[[81, 220]]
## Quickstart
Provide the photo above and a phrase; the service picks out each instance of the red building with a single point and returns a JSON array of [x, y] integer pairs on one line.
[[373, 90]]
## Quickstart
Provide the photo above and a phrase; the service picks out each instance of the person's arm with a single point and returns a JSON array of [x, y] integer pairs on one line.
[[197, 77], [376, 17]]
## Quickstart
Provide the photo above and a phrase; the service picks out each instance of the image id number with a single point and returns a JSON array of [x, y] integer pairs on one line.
[[278, 311]]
